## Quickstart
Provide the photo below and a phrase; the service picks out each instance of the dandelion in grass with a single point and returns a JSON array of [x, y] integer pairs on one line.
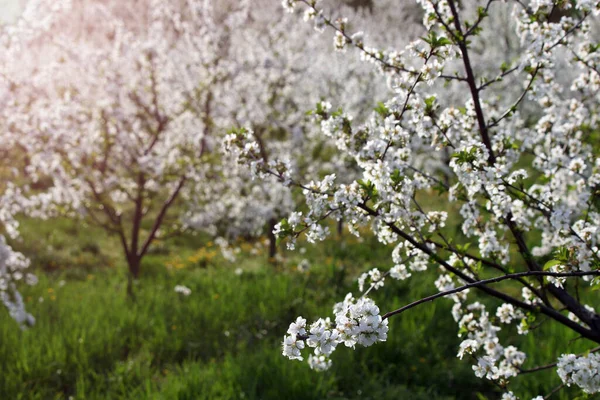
[[186, 291]]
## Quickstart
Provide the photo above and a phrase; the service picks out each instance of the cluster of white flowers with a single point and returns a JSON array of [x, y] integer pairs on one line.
[[499, 362], [357, 321], [184, 290], [511, 396], [583, 371], [376, 278], [319, 363], [13, 267]]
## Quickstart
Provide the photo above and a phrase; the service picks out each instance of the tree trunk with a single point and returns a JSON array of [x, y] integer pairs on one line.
[[130, 292], [133, 264], [272, 240]]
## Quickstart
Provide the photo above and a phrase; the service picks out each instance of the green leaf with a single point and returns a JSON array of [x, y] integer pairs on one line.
[[382, 110], [551, 264], [443, 41], [434, 41], [368, 187], [396, 177], [429, 105], [481, 13], [463, 248]]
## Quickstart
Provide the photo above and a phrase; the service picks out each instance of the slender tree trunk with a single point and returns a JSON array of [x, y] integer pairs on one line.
[[130, 292], [340, 227], [134, 256], [272, 239], [134, 267], [133, 264]]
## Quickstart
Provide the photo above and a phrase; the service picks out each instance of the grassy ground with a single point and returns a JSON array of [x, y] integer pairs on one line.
[[223, 341]]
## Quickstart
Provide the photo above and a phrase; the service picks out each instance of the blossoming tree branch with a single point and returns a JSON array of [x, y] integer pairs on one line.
[[523, 178]]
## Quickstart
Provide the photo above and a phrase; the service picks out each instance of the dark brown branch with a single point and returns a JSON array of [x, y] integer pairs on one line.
[[591, 319], [104, 225], [462, 45], [592, 335], [489, 263], [555, 390], [513, 108], [161, 215], [479, 20], [487, 282], [551, 365], [497, 79], [123, 239], [137, 215], [106, 207]]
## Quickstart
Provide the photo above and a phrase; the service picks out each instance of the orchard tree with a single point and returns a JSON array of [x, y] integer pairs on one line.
[[18, 195], [270, 94], [525, 185], [122, 116]]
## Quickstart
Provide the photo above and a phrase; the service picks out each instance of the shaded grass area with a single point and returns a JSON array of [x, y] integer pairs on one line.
[[223, 341]]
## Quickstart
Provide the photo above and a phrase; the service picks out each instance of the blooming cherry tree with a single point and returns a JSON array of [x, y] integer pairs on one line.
[[120, 116], [270, 95], [25, 32]]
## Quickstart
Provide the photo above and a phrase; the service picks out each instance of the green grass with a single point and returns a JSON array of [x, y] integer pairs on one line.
[[223, 341]]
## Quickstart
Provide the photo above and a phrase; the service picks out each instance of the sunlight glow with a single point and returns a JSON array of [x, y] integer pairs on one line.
[[10, 10]]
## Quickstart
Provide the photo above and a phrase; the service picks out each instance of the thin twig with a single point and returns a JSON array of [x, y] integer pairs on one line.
[[486, 282], [548, 366]]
